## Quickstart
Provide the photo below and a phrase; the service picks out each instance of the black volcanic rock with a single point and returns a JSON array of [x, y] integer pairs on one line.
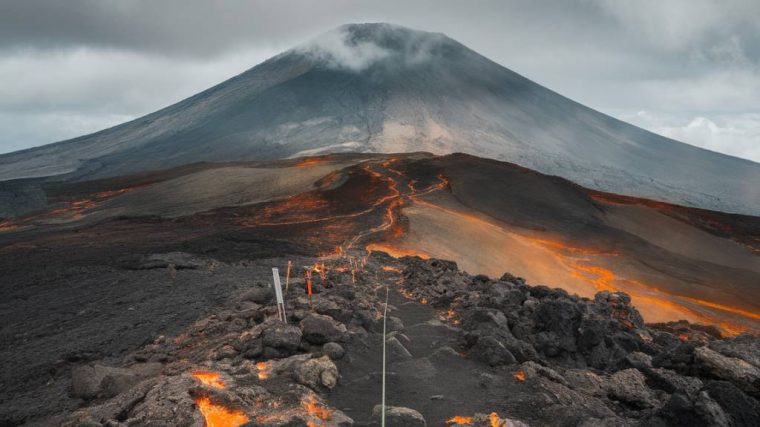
[[321, 329], [481, 352], [282, 338]]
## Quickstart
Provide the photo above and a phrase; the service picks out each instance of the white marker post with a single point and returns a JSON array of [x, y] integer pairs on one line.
[[278, 295]]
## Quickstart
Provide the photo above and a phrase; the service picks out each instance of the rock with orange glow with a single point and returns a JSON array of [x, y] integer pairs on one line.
[[531, 369], [161, 401]]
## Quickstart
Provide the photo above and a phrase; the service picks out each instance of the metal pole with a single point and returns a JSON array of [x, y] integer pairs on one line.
[[278, 294], [385, 316]]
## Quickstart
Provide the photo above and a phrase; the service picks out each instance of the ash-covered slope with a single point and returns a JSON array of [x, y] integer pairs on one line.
[[383, 88]]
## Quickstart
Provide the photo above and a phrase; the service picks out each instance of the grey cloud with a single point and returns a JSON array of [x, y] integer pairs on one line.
[[348, 47]]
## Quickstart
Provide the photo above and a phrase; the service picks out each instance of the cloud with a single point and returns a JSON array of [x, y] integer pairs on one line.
[[337, 51], [734, 134], [28, 129], [356, 48], [55, 95]]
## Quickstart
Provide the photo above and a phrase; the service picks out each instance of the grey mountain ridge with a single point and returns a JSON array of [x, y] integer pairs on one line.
[[384, 88]]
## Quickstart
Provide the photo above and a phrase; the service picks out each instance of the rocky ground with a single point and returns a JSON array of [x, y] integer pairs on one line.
[[462, 350]]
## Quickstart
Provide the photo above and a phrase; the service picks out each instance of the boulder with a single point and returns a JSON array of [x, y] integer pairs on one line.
[[282, 337], [489, 350], [704, 411], [394, 324], [629, 386], [399, 416], [316, 373], [395, 348], [320, 329], [745, 375], [333, 350], [258, 294], [742, 409], [745, 347], [101, 381], [177, 260], [671, 382], [533, 369]]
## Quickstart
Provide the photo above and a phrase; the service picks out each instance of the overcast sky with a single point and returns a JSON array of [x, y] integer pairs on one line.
[[687, 69]]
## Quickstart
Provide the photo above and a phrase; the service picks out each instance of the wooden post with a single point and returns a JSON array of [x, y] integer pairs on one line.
[[287, 277]]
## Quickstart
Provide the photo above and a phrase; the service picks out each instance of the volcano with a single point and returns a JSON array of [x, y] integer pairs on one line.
[[387, 89]]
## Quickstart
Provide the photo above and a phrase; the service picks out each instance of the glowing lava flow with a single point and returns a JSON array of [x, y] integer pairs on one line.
[[264, 370], [492, 419], [214, 414], [397, 201], [219, 416], [211, 379], [585, 264], [458, 419], [74, 209], [644, 296], [316, 411]]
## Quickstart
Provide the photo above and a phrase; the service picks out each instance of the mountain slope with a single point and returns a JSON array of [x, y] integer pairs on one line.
[[382, 88]]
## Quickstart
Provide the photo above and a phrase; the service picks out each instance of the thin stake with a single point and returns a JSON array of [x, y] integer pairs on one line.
[[287, 276], [308, 285], [278, 295], [385, 316]]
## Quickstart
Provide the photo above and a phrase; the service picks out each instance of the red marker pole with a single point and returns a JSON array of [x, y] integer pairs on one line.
[[308, 285]]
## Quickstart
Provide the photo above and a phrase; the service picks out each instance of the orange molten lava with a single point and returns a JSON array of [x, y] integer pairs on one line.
[[450, 316], [310, 162], [495, 420], [458, 419], [211, 379], [315, 410], [642, 294], [394, 251], [520, 376], [219, 416], [391, 268], [264, 370], [746, 313]]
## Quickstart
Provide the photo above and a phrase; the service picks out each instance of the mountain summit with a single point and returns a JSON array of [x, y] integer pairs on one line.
[[385, 88]]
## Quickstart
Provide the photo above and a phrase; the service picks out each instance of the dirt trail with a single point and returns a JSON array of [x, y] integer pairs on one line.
[[432, 378]]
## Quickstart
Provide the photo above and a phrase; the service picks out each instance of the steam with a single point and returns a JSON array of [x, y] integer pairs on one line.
[[358, 47], [334, 48]]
